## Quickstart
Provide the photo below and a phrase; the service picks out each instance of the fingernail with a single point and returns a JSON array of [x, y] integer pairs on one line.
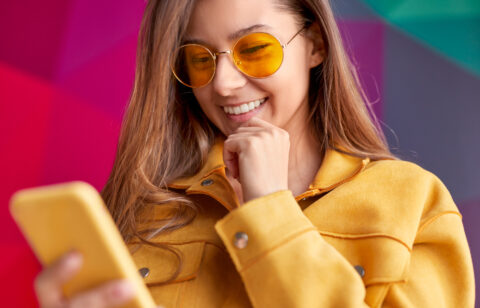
[[74, 258], [123, 289]]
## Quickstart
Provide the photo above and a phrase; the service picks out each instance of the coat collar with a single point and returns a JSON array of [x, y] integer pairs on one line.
[[337, 168]]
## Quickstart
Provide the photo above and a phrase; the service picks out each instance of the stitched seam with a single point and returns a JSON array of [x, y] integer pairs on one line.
[[308, 194], [186, 278], [383, 281], [217, 246], [176, 243], [177, 186], [431, 219], [217, 168], [263, 198], [286, 240], [221, 248], [363, 236], [347, 179]]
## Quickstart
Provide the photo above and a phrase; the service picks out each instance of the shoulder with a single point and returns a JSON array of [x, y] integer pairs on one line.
[[391, 197], [404, 180], [398, 169], [406, 174]]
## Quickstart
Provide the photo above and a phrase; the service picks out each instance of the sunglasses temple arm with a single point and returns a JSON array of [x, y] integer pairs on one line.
[[298, 32]]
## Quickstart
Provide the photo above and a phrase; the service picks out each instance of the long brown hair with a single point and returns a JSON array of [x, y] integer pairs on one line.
[[166, 136]]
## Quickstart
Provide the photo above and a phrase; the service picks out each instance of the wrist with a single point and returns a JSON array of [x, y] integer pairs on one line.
[[248, 196]]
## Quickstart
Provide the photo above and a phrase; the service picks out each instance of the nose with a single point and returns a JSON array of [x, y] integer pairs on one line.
[[227, 77]]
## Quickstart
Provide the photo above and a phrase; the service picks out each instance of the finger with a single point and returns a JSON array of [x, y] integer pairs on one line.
[[241, 135], [110, 294], [248, 129], [230, 157], [48, 284], [231, 164], [257, 122]]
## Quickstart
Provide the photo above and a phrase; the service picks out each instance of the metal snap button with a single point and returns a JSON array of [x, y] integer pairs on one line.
[[207, 182], [241, 240], [144, 271], [360, 270]]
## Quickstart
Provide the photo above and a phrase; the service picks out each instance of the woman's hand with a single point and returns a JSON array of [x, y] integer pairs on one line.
[[48, 287], [257, 155]]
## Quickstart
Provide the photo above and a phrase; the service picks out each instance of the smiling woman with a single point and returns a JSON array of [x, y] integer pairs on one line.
[[251, 171]]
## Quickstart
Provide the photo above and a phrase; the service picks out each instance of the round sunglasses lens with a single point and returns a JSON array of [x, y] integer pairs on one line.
[[194, 65], [258, 54]]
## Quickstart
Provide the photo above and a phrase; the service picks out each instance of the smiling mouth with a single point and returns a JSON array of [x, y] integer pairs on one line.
[[244, 108]]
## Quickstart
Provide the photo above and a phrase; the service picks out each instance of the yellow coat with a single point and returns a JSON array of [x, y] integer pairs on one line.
[[365, 234]]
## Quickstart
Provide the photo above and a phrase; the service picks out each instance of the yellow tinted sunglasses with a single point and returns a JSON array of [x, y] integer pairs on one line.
[[257, 55]]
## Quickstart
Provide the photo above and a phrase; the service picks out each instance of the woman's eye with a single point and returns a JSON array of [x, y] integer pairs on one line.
[[200, 59], [254, 49]]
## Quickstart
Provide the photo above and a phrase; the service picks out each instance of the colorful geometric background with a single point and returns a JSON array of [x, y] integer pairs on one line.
[[67, 68]]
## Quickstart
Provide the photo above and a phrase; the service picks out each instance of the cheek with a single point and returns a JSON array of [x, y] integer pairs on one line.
[[203, 99], [291, 82], [211, 111], [297, 73]]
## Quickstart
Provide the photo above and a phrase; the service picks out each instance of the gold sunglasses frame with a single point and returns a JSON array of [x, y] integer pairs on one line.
[[230, 52]]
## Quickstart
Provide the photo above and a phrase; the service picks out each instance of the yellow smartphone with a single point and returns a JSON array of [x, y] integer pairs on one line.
[[58, 218]]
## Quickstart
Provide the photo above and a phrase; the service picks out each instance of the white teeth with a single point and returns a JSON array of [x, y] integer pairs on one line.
[[244, 107]]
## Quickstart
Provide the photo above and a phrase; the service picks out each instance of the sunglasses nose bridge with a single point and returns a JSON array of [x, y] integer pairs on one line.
[[215, 54], [228, 52], [223, 52], [227, 75]]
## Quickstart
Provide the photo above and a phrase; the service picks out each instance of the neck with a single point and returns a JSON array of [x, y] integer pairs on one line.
[[305, 156]]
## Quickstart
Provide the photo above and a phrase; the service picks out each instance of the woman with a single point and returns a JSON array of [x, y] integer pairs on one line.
[[249, 173]]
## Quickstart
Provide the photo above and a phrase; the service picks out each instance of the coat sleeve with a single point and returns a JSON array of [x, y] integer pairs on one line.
[[287, 263], [441, 270]]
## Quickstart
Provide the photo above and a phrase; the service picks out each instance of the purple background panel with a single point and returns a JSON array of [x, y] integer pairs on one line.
[[433, 107], [361, 38]]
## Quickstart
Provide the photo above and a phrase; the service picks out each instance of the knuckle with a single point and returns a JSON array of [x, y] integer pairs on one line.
[[271, 130], [84, 301], [252, 143], [264, 134], [91, 299], [228, 141], [39, 281]]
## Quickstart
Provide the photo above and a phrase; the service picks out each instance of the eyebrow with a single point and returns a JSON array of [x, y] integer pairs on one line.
[[231, 37]]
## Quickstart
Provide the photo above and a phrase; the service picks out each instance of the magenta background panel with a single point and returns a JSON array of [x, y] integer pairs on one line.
[[66, 73]]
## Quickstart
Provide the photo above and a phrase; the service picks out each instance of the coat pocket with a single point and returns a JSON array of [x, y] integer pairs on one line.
[[377, 258], [157, 265]]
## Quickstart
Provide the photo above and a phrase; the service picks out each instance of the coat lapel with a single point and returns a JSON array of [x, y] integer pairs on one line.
[[336, 168]]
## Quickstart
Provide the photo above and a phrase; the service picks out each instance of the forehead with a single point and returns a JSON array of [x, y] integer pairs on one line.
[[214, 21]]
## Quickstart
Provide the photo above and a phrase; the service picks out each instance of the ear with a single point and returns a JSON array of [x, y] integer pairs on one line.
[[317, 50]]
